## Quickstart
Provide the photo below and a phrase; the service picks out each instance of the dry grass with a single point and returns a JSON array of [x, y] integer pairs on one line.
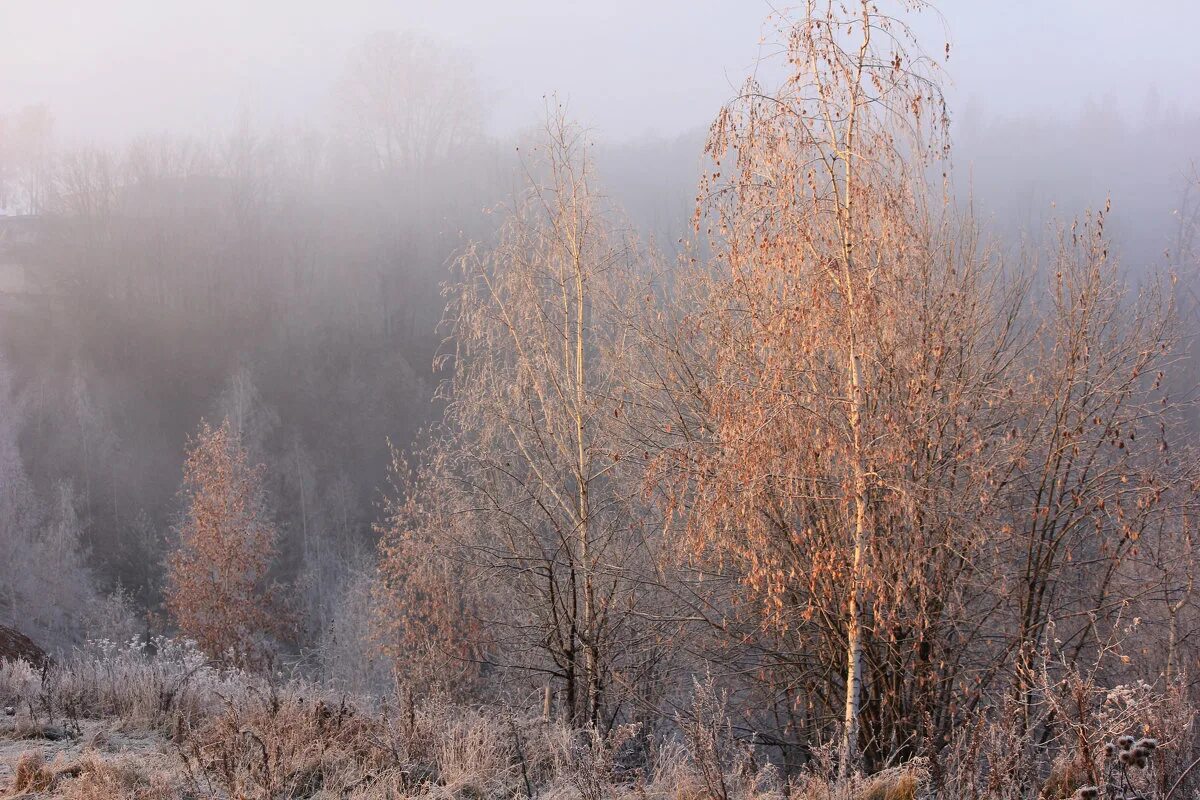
[[898, 783], [284, 745], [24, 728], [119, 723], [31, 774], [122, 779], [229, 734], [893, 785], [90, 778], [1066, 775]]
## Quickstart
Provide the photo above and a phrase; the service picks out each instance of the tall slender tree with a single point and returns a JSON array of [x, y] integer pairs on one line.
[[818, 222], [549, 521]]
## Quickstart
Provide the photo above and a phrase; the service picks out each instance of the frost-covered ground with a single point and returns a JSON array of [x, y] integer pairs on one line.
[[160, 722], [74, 761]]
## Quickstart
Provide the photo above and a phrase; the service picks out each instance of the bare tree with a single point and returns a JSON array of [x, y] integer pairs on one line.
[[27, 159], [1095, 479], [551, 524], [413, 101]]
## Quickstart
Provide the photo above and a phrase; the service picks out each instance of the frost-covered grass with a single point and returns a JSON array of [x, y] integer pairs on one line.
[[160, 720], [233, 734]]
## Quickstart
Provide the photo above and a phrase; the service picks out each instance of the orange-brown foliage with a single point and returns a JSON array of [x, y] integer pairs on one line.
[[424, 620], [217, 591]]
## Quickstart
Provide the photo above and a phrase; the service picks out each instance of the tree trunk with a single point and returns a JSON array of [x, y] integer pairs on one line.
[[591, 647]]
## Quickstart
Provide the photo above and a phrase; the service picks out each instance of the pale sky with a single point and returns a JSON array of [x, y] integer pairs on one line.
[[117, 68]]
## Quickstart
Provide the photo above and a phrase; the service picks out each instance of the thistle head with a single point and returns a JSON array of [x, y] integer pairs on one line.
[[1087, 793], [1125, 742]]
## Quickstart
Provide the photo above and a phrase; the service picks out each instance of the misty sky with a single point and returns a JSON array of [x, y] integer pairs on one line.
[[112, 69]]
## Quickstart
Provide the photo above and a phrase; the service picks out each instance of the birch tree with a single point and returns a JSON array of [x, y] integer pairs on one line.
[[552, 528], [827, 273]]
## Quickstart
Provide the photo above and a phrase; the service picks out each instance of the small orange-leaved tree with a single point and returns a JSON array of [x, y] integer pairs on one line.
[[217, 591]]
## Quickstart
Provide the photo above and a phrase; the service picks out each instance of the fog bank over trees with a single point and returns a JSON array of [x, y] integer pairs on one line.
[[287, 276], [753, 374]]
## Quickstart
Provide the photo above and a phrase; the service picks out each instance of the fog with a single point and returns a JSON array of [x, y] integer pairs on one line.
[[631, 399], [631, 69], [208, 210], [1115, 82]]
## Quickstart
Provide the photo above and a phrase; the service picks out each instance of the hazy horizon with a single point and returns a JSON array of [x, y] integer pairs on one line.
[[629, 71]]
